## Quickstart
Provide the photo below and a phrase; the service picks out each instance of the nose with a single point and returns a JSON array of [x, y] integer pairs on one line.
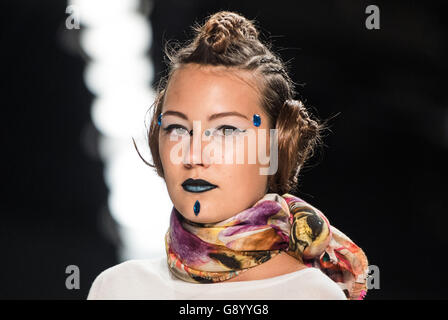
[[195, 155]]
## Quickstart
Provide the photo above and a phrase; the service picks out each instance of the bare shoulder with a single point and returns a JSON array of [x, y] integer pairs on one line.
[[279, 265], [292, 263]]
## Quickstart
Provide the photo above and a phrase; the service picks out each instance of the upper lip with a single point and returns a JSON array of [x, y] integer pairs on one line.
[[197, 182]]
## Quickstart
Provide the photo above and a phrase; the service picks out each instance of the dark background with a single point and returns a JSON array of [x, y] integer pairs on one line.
[[381, 178]]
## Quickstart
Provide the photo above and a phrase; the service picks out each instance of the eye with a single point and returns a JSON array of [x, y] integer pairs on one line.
[[227, 130], [180, 130]]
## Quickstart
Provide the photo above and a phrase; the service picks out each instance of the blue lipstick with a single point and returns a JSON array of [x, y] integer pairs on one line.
[[197, 185]]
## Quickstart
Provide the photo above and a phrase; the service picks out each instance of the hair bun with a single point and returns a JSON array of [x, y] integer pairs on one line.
[[301, 114], [303, 131], [225, 27]]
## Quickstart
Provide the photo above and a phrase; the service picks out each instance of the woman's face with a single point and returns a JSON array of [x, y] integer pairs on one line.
[[212, 99]]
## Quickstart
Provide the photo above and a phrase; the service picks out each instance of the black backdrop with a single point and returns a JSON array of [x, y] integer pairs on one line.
[[381, 178]]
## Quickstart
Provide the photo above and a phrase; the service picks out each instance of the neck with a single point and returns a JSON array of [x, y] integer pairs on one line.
[[279, 265]]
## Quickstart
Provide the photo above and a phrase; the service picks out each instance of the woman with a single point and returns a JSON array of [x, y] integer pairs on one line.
[[235, 232]]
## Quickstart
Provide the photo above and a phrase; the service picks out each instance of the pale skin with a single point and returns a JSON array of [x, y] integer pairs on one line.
[[207, 94]]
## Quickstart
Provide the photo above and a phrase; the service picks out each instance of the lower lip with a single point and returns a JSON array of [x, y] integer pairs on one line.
[[198, 189]]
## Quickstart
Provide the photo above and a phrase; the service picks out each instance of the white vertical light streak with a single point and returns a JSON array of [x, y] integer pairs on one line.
[[117, 37]]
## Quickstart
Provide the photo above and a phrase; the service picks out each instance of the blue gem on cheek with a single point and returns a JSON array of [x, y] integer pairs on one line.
[[197, 207], [159, 119], [257, 120]]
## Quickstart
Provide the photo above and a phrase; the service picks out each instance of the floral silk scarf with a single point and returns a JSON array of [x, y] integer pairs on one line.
[[214, 252]]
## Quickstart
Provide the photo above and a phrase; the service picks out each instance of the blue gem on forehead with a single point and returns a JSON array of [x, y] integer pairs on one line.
[[159, 119], [196, 207], [257, 120]]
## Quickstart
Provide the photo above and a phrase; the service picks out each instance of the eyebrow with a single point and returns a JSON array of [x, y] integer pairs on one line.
[[212, 117]]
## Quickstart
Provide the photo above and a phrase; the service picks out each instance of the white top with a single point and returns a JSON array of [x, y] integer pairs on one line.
[[150, 279]]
